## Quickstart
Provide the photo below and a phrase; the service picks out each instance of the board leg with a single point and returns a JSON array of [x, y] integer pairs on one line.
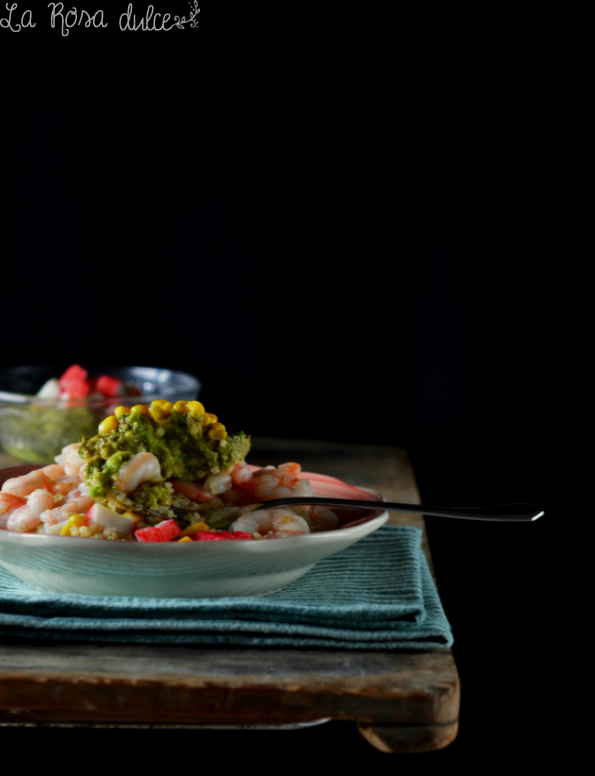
[[409, 739]]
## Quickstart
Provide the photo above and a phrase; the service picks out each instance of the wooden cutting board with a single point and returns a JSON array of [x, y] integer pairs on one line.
[[400, 701]]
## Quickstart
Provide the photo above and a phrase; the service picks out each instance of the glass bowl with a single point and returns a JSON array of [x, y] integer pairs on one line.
[[34, 430]]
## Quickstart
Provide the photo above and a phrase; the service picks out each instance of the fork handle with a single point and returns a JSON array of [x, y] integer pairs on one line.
[[517, 513]]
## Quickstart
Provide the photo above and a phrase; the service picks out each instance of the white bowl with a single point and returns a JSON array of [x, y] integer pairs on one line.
[[73, 565]]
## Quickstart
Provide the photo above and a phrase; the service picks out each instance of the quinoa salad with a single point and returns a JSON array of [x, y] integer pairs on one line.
[[161, 472]]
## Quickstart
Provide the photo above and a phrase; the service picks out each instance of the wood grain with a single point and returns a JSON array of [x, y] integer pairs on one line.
[[401, 701]]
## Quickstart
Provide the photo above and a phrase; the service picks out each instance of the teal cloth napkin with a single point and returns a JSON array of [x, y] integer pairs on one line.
[[378, 594]]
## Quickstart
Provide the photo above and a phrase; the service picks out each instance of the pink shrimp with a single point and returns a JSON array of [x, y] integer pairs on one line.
[[193, 490], [27, 517], [251, 483], [241, 473], [70, 459], [8, 503], [27, 483], [285, 522], [53, 471], [223, 483], [272, 523], [236, 492], [75, 504], [74, 463], [258, 521], [64, 485], [281, 482], [218, 483], [61, 458], [142, 467], [81, 499], [322, 519]]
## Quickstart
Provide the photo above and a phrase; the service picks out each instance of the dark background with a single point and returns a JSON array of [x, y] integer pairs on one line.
[[346, 232]]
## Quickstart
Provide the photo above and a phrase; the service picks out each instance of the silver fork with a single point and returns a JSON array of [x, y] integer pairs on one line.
[[516, 513]]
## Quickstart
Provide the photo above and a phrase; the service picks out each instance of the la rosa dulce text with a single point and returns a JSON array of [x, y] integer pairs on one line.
[[66, 19]]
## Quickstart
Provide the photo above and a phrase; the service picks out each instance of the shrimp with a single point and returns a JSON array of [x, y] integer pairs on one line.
[[61, 458], [240, 473], [63, 485], [75, 504], [70, 459], [249, 484], [285, 522], [270, 483], [193, 490], [79, 496], [274, 523], [84, 489], [39, 478], [27, 517], [258, 521], [8, 503], [142, 467], [27, 483], [53, 471], [218, 483], [74, 463], [290, 468], [322, 519], [238, 491]]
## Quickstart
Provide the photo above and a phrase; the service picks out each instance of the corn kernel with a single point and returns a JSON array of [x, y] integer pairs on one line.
[[194, 528], [121, 411], [167, 405], [196, 407], [181, 406], [217, 431], [157, 412], [107, 425], [74, 521], [143, 409], [209, 418], [185, 539], [160, 409]]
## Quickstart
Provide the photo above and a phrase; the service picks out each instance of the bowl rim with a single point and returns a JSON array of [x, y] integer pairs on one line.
[[358, 526], [25, 398]]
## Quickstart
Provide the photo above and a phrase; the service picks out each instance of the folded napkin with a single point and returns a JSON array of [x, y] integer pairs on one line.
[[378, 594]]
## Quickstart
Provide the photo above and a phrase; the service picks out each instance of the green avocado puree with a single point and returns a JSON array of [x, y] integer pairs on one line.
[[180, 443]]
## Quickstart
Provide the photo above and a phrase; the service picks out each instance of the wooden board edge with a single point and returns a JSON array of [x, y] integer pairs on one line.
[[409, 739]]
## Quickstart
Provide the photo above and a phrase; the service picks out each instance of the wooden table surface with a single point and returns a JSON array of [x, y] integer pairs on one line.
[[400, 701]]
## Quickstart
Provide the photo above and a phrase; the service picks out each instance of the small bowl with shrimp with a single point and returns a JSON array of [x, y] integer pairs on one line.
[[42, 408], [43, 545]]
